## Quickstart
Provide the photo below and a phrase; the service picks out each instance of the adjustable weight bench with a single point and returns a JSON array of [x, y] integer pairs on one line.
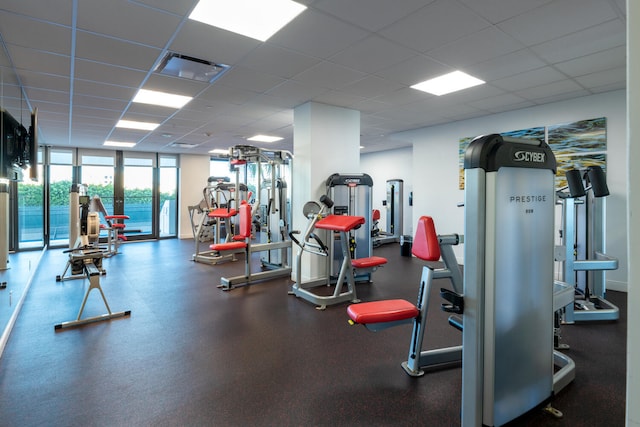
[[379, 315]]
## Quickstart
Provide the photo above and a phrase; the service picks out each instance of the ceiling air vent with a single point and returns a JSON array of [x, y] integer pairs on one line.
[[187, 67]]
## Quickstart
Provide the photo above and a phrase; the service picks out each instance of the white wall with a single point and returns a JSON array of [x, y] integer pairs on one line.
[[435, 165], [385, 165], [194, 171]]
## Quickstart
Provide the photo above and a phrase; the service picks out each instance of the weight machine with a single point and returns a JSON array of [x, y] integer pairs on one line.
[[85, 256], [394, 207], [320, 218], [212, 219], [270, 213], [509, 296], [582, 250]]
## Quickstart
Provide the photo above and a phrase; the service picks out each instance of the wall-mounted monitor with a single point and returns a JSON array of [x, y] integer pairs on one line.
[[18, 147]]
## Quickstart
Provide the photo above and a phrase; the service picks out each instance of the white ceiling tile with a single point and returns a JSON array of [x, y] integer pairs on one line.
[[100, 90], [38, 96], [505, 65], [277, 61], [296, 93], [178, 7], [372, 15], [339, 99], [103, 103], [44, 81], [496, 11], [528, 79], [498, 101], [221, 93], [615, 76], [431, 26], [557, 19], [121, 19], [249, 79], [475, 48], [607, 59], [593, 39], [316, 34], [35, 34], [109, 74], [414, 70], [372, 54], [58, 11], [372, 86], [115, 52], [548, 90], [329, 75], [40, 61]]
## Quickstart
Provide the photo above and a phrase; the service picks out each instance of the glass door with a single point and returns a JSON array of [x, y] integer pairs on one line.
[[138, 196], [168, 196], [60, 176], [31, 210]]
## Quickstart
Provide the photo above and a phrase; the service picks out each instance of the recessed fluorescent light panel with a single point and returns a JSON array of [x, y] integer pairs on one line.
[[187, 67], [264, 138], [130, 124], [119, 144], [448, 83], [258, 19], [162, 99]]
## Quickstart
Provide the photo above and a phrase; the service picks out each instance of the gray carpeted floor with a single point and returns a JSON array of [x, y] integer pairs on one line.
[[192, 354]]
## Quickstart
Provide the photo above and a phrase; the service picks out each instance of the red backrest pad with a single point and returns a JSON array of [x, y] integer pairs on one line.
[[425, 243], [245, 220]]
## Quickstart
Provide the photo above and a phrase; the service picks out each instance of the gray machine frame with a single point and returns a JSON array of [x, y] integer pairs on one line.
[[394, 216], [509, 289], [582, 249], [351, 195]]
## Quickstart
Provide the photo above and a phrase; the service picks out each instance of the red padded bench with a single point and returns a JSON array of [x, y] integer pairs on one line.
[[370, 262], [426, 247], [393, 310], [241, 240]]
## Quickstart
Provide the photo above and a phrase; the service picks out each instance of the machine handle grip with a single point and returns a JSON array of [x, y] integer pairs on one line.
[[291, 235], [326, 200]]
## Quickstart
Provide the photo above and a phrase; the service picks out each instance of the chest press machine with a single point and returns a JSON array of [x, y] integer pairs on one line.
[[508, 299]]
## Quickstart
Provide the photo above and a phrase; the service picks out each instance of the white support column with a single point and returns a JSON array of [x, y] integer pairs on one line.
[[326, 140]]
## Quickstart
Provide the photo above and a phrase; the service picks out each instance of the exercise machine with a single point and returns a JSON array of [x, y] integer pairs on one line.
[[320, 218], [85, 256], [582, 250], [379, 315], [509, 296], [394, 218], [212, 219], [270, 213], [351, 195]]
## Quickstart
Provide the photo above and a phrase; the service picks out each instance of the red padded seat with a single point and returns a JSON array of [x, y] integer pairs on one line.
[[222, 213], [245, 232], [340, 222], [392, 310], [227, 246], [372, 261]]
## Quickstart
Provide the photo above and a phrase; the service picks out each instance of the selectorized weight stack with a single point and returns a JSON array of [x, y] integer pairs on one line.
[[351, 195], [508, 351]]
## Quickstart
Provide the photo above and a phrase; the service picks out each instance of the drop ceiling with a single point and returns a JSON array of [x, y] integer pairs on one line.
[[80, 62]]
